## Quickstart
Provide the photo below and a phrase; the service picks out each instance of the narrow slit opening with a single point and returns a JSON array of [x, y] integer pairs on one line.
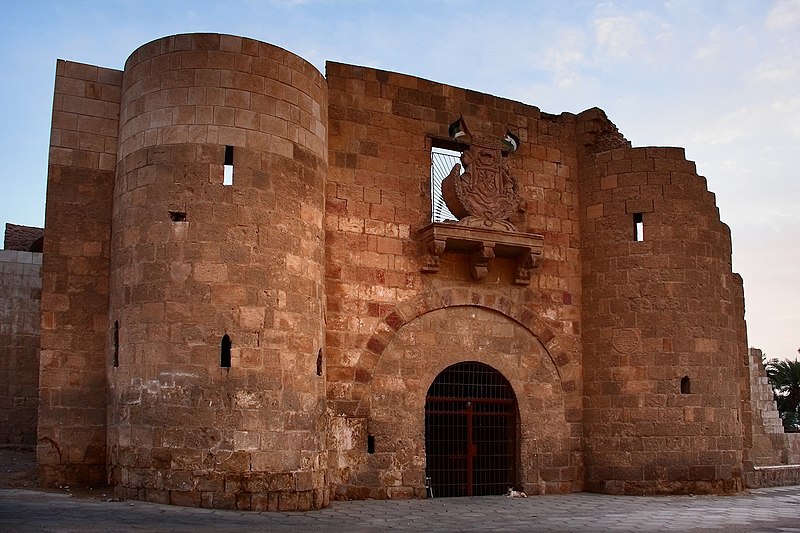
[[686, 385], [638, 227], [227, 173], [116, 343], [319, 362], [225, 352], [371, 444]]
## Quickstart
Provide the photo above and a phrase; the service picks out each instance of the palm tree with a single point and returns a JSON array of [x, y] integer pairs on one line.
[[784, 376]]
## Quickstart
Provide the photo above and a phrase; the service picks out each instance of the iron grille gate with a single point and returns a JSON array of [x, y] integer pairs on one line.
[[470, 432]]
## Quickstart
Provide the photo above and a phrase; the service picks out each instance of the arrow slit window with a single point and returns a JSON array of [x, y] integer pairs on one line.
[[638, 227], [227, 172]]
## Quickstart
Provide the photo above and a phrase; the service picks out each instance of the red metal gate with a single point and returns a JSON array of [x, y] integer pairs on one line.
[[470, 432]]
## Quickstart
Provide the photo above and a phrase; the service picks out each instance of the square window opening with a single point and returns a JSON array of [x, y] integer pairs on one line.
[[444, 156]]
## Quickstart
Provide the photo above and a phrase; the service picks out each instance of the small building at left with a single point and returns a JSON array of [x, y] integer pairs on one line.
[[20, 293]]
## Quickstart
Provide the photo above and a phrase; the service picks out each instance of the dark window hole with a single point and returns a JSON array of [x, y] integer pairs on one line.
[[116, 343], [686, 385], [225, 352], [177, 216]]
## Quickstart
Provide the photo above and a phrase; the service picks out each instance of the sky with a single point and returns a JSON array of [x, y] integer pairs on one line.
[[718, 77]]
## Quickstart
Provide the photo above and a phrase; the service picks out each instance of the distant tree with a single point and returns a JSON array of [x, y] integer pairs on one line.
[[784, 376]]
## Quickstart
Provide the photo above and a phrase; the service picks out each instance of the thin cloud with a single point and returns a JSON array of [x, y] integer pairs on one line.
[[777, 70], [779, 118], [625, 38], [784, 16], [565, 59], [618, 37]]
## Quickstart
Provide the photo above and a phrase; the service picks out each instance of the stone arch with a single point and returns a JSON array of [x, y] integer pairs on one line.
[[458, 297], [420, 350], [447, 358], [473, 406]]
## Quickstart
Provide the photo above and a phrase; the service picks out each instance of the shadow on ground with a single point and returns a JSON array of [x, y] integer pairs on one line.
[[18, 471]]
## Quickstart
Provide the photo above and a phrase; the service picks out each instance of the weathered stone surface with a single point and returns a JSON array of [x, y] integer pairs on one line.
[[20, 295], [270, 343]]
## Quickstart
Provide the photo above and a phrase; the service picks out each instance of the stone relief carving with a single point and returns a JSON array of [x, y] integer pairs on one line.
[[486, 194], [625, 340], [483, 198]]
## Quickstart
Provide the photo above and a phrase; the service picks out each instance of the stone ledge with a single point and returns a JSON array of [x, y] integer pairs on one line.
[[482, 245], [773, 476]]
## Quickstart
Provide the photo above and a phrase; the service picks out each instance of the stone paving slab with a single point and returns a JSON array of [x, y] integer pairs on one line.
[[764, 510]]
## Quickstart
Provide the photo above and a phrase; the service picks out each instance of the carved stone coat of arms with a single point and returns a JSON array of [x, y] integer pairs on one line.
[[483, 198]]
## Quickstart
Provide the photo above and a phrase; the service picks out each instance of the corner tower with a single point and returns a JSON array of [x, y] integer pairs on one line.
[[664, 340], [216, 340]]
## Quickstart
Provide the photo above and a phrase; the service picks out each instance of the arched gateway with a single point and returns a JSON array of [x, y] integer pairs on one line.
[[470, 432]]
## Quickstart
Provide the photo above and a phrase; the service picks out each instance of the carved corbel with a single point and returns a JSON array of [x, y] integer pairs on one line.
[[526, 264], [433, 249], [480, 260]]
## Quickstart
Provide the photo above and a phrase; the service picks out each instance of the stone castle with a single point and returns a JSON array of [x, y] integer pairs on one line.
[[248, 301]]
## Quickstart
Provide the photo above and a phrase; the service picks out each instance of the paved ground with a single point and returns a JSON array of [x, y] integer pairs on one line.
[[776, 509]]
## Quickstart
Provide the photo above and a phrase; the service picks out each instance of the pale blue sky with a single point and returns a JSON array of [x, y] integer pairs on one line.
[[718, 77]]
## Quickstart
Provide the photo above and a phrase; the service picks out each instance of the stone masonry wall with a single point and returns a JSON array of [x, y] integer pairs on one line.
[[793, 449], [382, 126], [195, 260], [20, 292], [83, 146], [663, 329], [269, 343], [23, 238]]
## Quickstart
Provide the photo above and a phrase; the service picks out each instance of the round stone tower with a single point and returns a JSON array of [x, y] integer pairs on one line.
[[216, 382], [663, 328]]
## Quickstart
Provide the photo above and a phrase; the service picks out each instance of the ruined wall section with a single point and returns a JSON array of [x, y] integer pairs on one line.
[[769, 444], [772, 457], [195, 260], [382, 126], [20, 293], [663, 328], [83, 146]]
